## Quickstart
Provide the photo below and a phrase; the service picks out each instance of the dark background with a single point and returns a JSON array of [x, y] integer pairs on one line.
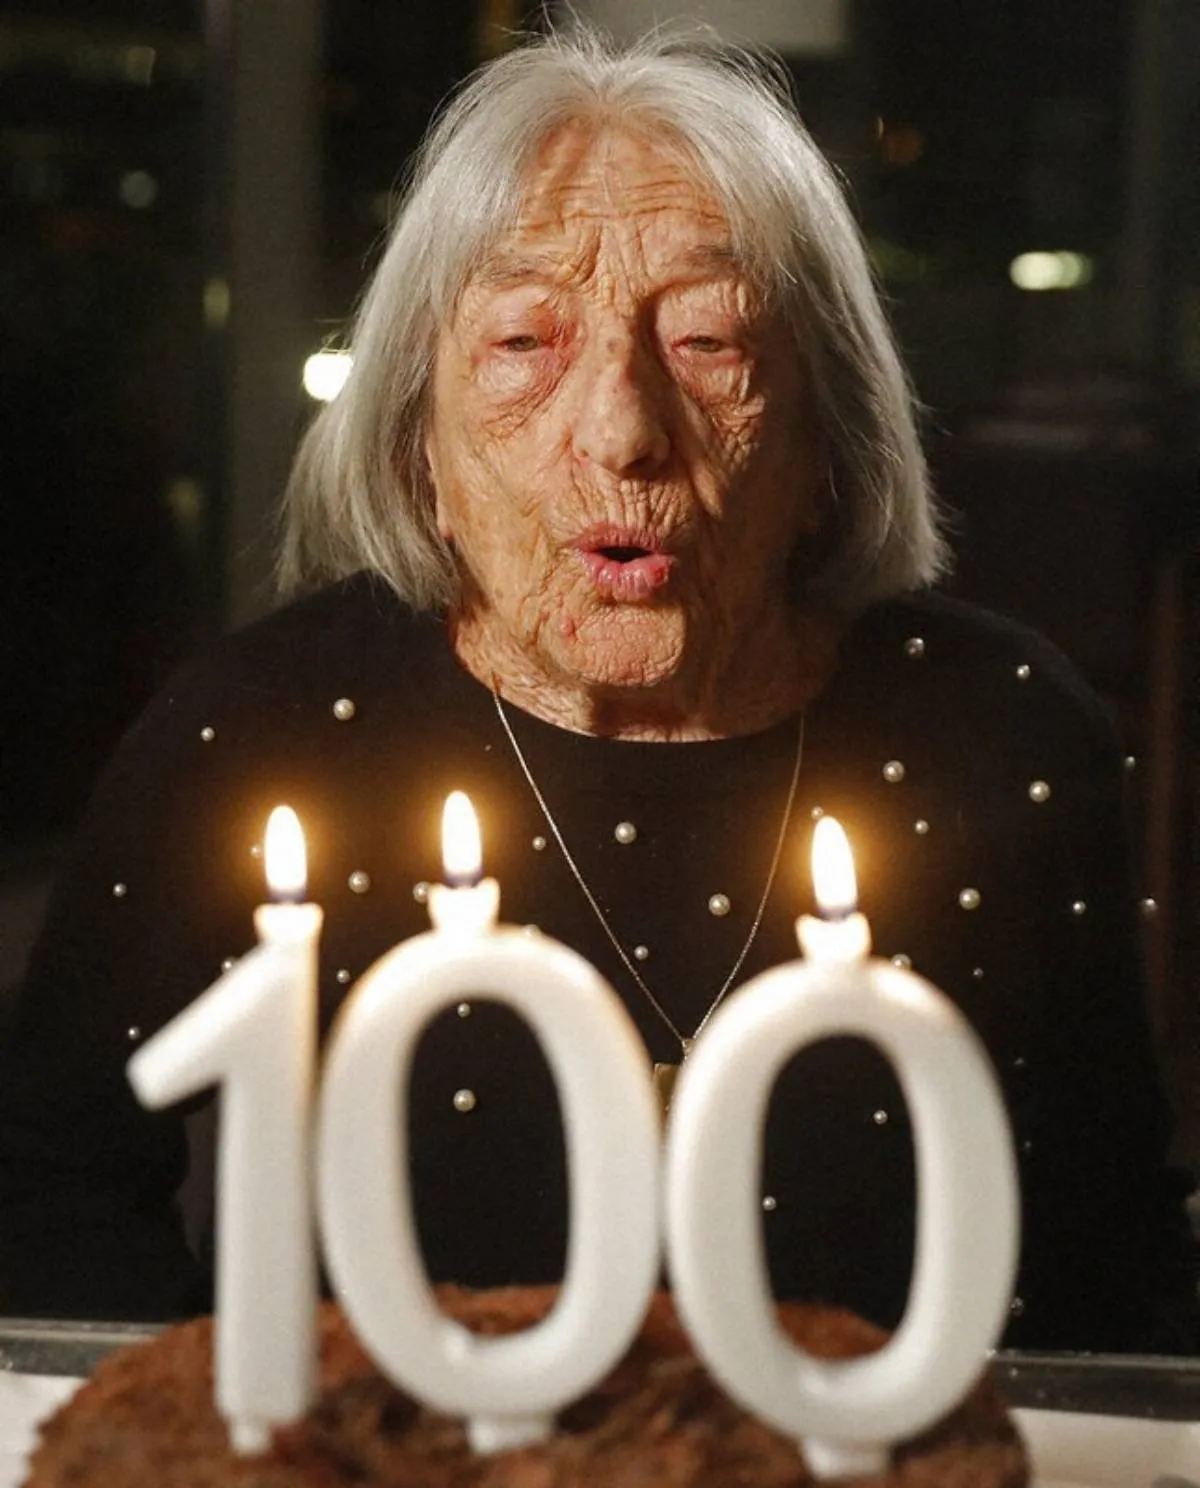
[[191, 194]]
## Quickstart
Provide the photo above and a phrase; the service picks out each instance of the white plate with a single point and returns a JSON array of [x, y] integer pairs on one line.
[[25, 1399], [1078, 1451]]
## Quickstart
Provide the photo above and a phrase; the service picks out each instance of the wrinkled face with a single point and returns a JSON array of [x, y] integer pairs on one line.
[[620, 438]]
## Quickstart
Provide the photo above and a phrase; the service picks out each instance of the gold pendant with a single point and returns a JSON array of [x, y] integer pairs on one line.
[[665, 1076]]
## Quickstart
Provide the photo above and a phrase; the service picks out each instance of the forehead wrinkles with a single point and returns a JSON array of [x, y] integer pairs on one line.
[[614, 191], [611, 176]]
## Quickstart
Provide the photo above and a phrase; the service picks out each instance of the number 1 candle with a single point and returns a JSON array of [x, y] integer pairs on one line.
[[847, 1413], [254, 1033]]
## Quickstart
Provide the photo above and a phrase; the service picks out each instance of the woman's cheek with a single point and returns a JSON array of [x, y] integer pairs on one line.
[[725, 398], [726, 433], [718, 382], [511, 380]]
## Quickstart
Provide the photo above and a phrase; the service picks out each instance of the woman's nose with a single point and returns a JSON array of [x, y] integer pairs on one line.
[[620, 424]]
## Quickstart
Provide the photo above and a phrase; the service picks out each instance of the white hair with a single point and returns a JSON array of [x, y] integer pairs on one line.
[[361, 495]]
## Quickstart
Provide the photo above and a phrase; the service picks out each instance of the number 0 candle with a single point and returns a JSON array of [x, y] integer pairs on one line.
[[509, 1389], [846, 1413], [254, 1033]]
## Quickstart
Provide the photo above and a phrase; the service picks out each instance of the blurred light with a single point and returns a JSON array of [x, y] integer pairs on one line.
[[497, 27], [48, 45], [185, 502], [324, 374], [138, 64], [1045, 270], [137, 189], [216, 302]]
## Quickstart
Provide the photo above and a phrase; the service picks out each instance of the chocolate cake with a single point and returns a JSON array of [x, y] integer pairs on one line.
[[146, 1420]]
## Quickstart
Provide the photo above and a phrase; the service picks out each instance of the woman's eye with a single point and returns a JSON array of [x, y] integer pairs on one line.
[[704, 343], [520, 343]]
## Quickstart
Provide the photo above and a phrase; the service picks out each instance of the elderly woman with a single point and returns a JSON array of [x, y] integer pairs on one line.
[[621, 525]]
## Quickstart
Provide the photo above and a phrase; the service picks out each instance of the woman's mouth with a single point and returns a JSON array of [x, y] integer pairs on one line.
[[624, 566]]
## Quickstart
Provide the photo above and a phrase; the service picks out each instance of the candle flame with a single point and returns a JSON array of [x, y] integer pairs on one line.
[[287, 861], [833, 869], [462, 853]]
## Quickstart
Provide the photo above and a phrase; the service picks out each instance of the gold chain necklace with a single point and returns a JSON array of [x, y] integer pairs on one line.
[[665, 1074]]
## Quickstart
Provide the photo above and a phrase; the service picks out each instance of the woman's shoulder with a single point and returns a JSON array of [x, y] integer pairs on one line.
[[340, 632], [313, 705], [273, 699], [315, 652], [977, 672], [933, 625]]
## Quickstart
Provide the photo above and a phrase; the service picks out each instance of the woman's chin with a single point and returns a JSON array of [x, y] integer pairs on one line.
[[624, 647]]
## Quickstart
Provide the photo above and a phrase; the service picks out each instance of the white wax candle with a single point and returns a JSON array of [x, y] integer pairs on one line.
[[253, 1032], [508, 1388], [846, 1413]]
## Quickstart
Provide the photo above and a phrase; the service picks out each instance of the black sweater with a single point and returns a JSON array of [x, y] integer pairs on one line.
[[959, 751]]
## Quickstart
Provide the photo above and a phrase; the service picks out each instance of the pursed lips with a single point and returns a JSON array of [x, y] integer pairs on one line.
[[625, 564]]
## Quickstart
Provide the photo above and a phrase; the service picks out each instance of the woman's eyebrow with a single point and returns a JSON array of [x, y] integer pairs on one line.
[[700, 260], [502, 271], [721, 258]]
